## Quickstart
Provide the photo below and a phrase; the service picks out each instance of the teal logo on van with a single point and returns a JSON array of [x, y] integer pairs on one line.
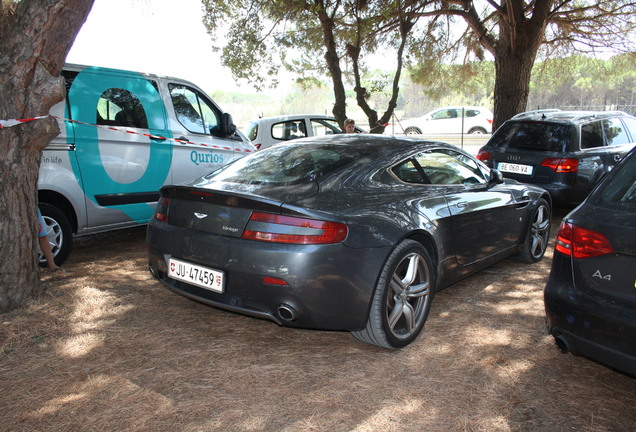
[[202, 158], [84, 95]]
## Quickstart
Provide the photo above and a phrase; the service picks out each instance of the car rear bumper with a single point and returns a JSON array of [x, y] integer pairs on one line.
[[588, 325], [566, 191], [328, 287]]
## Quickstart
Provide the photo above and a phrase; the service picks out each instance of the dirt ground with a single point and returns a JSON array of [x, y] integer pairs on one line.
[[107, 348]]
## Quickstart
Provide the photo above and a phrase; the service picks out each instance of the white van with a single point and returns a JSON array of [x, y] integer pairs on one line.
[[124, 135]]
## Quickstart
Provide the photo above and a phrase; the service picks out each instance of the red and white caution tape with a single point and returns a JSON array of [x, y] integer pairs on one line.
[[14, 122], [9, 123]]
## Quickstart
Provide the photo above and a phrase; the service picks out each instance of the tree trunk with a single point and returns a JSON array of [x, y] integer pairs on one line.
[[520, 37], [35, 37], [333, 64], [512, 86]]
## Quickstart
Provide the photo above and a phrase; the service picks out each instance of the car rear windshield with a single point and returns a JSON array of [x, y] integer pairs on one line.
[[620, 191], [540, 136], [286, 164]]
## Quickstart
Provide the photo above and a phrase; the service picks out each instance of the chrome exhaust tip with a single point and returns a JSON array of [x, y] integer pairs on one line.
[[286, 312]]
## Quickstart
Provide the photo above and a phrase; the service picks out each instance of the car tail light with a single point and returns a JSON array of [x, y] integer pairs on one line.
[[561, 165], [293, 230], [161, 210], [580, 242], [483, 156], [489, 120]]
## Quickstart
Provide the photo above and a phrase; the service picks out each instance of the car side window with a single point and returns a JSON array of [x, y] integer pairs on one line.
[[592, 135], [193, 110], [119, 107], [447, 167], [630, 122], [444, 114], [410, 171], [440, 167], [322, 127], [615, 132], [289, 130]]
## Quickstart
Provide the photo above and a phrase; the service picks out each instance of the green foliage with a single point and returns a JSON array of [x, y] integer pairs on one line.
[[582, 81], [567, 82]]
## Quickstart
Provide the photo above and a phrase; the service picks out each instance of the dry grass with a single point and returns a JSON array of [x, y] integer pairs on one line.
[[107, 348]]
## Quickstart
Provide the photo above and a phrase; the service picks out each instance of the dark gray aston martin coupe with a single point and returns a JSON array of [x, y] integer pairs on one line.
[[343, 232]]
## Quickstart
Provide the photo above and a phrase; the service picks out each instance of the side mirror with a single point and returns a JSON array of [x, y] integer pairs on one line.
[[496, 177], [227, 125]]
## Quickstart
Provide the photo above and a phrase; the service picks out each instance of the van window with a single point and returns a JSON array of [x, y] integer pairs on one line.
[[195, 112], [119, 107]]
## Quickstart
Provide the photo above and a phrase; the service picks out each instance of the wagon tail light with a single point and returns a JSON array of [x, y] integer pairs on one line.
[[561, 165], [161, 209], [578, 242], [483, 156], [273, 228]]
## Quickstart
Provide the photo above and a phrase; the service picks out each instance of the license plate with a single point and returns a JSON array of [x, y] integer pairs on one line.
[[196, 275], [515, 168]]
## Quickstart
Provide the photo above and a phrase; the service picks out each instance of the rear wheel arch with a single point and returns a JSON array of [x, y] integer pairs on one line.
[[429, 244]]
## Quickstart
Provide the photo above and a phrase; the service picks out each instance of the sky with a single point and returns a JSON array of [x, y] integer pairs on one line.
[[164, 37]]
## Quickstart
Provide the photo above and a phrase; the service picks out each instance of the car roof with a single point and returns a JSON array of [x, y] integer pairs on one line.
[[379, 143], [572, 117], [292, 117]]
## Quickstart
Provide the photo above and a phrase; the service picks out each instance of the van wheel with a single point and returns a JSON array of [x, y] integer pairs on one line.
[[402, 298], [477, 131], [412, 130], [59, 233]]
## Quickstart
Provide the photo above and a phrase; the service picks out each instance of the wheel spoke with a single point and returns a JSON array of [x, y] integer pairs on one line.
[[411, 271], [396, 284], [541, 221], [402, 309], [538, 245], [418, 290], [395, 315]]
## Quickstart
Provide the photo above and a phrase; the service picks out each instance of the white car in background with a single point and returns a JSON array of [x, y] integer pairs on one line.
[[450, 120], [267, 131]]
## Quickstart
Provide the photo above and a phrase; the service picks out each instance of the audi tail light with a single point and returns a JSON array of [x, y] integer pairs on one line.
[[561, 165], [483, 156], [273, 228], [578, 242]]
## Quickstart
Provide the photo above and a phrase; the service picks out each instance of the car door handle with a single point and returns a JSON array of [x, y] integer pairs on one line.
[[183, 140], [462, 204]]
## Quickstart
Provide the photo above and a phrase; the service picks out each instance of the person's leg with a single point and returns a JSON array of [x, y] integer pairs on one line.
[[45, 246]]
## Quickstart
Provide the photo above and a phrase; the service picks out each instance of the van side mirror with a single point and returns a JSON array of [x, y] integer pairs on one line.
[[496, 177], [227, 125]]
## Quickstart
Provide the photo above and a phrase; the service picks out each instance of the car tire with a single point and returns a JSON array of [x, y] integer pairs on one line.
[[412, 130], [536, 241], [477, 131], [402, 298], [60, 234]]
